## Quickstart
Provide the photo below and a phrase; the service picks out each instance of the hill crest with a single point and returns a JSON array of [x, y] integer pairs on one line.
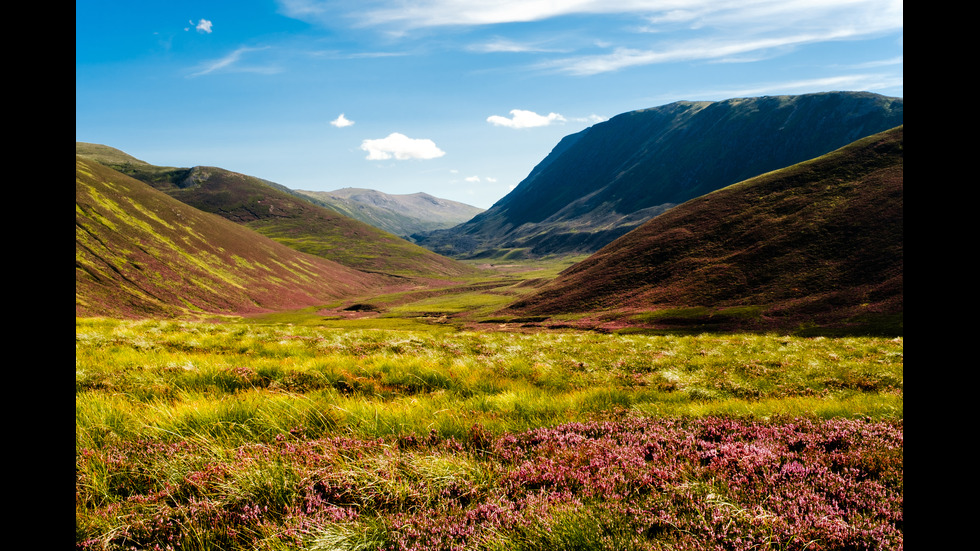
[[274, 211], [820, 242], [141, 253]]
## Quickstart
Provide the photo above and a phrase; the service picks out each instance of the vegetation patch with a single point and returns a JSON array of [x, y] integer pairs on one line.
[[271, 436]]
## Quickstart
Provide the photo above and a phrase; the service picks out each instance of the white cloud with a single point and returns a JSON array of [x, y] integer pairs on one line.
[[342, 122], [525, 119], [499, 45], [231, 61], [694, 13], [845, 82], [707, 49], [593, 118], [400, 147], [428, 13], [717, 30], [203, 26], [478, 179]]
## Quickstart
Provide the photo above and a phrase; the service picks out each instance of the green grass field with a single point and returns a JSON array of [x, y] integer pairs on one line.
[[135, 379]]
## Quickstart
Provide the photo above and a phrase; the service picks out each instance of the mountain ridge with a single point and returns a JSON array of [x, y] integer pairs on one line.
[[400, 214], [820, 242], [599, 183]]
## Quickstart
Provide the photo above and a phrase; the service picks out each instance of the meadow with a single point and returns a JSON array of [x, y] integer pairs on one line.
[[388, 433]]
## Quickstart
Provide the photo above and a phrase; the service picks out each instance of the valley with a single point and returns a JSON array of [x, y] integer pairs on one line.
[[707, 363]]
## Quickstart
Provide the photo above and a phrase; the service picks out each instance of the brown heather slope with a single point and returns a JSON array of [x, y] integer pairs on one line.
[[141, 253], [818, 244], [287, 217]]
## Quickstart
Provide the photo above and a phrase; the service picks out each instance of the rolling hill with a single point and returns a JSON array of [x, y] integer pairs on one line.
[[402, 215], [600, 183], [275, 212], [139, 252], [817, 244]]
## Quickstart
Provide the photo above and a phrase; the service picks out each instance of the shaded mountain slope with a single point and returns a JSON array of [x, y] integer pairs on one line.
[[819, 243], [600, 183], [402, 215], [141, 253], [272, 210]]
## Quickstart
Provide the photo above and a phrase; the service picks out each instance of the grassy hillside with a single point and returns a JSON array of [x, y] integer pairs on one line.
[[139, 252], [818, 243], [273, 211], [402, 215], [610, 178]]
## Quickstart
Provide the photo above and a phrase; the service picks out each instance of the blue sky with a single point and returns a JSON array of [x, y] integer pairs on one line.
[[456, 98]]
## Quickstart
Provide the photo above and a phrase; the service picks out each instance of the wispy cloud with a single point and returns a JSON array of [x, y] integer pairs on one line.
[[708, 49], [434, 13], [337, 54], [644, 32], [504, 45], [521, 118], [400, 147], [231, 62], [342, 122], [867, 81], [880, 63], [593, 118]]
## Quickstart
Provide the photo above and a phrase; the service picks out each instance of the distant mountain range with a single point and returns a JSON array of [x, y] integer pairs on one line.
[[599, 184], [402, 215], [283, 215], [819, 243], [142, 253]]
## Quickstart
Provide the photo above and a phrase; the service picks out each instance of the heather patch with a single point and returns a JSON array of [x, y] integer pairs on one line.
[[639, 483], [207, 436]]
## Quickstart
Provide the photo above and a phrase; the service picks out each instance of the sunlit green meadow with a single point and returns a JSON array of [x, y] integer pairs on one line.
[[167, 379]]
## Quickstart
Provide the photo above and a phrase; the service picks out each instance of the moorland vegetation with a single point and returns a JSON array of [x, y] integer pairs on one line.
[[235, 392], [272, 436]]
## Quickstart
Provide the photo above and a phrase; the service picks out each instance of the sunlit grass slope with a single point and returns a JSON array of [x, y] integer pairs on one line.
[[139, 252], [272, 210]]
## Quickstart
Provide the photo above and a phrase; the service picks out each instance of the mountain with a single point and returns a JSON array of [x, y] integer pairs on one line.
[[608, 179], [274, 211], [140, 253], [817, 244], [402, 215]]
